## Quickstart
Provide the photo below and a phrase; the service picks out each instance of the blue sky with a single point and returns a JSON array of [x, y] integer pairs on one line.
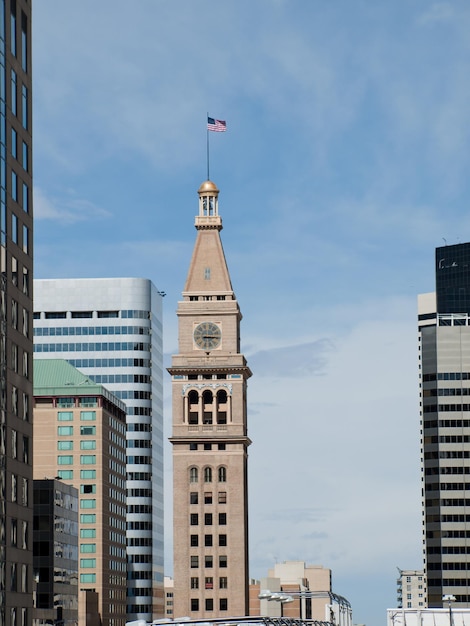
[[344, 165]]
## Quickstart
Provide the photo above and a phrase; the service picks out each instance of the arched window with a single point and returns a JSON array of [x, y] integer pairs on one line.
[[207, 403], [221, 406], [193, 475], [193, 407], [207, 474], [222, 474]]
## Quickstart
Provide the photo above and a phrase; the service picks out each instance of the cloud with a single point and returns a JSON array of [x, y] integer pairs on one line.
[[290, 361], [66, 209]]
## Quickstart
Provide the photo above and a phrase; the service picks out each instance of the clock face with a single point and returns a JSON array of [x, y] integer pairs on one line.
[[207, 335]]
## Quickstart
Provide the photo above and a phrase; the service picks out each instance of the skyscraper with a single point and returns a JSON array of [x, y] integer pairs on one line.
[[444, 335], [111, 330], [210, 441], [16, 254]]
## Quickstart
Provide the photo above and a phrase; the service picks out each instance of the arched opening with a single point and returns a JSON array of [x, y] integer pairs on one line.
[[207, 474], [222, 474], [222, 406], [207, 406], [193, 407], [193, 475]]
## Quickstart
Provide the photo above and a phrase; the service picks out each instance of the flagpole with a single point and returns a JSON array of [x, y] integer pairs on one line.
[[207, 131]]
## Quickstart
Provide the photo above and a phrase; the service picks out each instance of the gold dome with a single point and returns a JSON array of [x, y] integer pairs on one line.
[[208, 186]]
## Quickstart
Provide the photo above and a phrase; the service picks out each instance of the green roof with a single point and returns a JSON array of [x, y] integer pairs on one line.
[[56, 377]]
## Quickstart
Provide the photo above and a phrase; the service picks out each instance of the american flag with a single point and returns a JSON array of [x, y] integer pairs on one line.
[[218, 126]]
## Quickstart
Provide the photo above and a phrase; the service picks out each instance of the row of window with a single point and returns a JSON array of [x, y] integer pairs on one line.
[[448, 549], [208, 519], [208, 541], [446, 423], [59, 331], [209, 604], [446, 376], [59, 315], [67, 416], [207, 446], [15, 273], [221, 497], [207, 474], [15, 360], [85, 459], [17, 321], [84, 445], [448, 502], [208, 561], [434, 408], [92, 347], [447, 454], [462, 391], [80, 363], [68, 430]]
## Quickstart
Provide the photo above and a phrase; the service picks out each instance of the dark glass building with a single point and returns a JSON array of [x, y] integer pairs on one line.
[[55, 553], [16, 241], [453, 278]]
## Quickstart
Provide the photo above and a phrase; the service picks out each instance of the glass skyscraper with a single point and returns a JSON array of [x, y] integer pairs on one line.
[[111, 330]]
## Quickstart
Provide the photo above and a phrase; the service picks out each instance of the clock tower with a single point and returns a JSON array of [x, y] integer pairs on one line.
[[209, 438]]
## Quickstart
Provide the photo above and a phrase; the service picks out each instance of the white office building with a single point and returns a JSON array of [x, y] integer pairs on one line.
[[111, 329]]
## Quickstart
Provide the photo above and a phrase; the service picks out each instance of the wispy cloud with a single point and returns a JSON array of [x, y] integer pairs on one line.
[[67, 209]]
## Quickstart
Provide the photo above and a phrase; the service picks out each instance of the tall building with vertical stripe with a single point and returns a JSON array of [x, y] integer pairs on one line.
[[111, 330], [210, 439], [16, 259]]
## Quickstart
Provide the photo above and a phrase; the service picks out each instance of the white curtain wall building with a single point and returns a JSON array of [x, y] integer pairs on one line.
[[111, 330]]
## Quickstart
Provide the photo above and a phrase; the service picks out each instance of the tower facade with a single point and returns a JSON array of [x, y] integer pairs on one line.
[[444, 336], [111, 330], [16, 260], [209, 438]]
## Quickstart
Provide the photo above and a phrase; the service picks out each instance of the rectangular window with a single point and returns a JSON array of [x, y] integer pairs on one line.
[[13, 42], [194, 519], [194, 604], [88, 459], [14, 224], [194, 541], [87, 473], [209, 604], [24, 42], [65, 474], [222, 561], [194, 561], [63, 459], [25, 198], [87, 533], [88, 445], [193, 499], [223, 582], [87, 488], [25, 239], [14, 186], [87, 518], [207, 497], [64, 430], [14, 143], [208, 519], [223, 604], [65, 445], [222, 540], [208, 561], [88, 430], [24, 106], [25, 156], [88, 416], [87, 562], [209, 582], [222, 519], [88, 578], [65, 416], [65, 402], [87, 548], [208, 541], [194, 582], [14, 93], [88, 503]]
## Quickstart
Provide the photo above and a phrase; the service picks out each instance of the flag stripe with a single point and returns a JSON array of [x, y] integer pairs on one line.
[[217, 126]]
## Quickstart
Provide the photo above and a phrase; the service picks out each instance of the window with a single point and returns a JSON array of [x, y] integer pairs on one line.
[[65, 474], [223, 604], [87, 533], [25, 156], [25, 198], [87, 548], [194, 604], [208, 519], [14, 228], [193, 477], [88, 430], [14, 93], [194, 519], [209, 582], [14, 188], [88, 445], [194, 541], [65, 416], [87, 518], [222, 497], [207, 497], [209, 604], [88, 416], [222, 474], [87, 473], [222, 561], [221, 446], [65, 445], [223, 582], [63, 459], [194, 561], [87, 488], [194, 582], [24, 42], [208, 541], [207, 475], [14, 143], [87, 578], [222, 540], [24, 106], [222, 519], [193, 446], [193, 497], [88, 503], [208, 561], [64, 430], [207, 446], [25, 239], [88, 459], [87, 562]]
